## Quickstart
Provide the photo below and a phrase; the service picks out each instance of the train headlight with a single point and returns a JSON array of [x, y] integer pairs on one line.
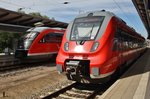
[[95, 46], [66, 46]]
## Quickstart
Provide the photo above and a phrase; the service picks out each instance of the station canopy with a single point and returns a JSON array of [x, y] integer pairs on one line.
[[19, 22], [143, 8]]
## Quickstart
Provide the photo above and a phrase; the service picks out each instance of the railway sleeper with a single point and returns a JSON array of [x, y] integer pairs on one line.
[[82, 91], [61, 96], [75, 94]]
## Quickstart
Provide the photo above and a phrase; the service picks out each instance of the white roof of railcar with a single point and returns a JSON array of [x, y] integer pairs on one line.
[[97, 13], [39, 29]]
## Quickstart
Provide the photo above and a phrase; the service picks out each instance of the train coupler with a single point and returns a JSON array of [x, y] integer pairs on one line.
[[72, 67]]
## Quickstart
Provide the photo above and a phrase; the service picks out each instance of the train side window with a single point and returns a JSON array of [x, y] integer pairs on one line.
[[126, 41], [120, 40], [115, 44], [52, 38], [42, 40], [56, 37], [116, 40], [130, 42]]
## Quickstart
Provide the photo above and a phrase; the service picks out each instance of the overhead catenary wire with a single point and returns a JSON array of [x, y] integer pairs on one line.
[[18, 5], [124, 14], [32, 8], [132, 18]]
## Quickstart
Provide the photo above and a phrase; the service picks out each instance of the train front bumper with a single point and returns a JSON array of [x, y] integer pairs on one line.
[[21, 53], [83, 68]]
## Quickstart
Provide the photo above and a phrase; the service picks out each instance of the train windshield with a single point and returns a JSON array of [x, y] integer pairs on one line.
[[27, 39], [86, 28], [31, 35]]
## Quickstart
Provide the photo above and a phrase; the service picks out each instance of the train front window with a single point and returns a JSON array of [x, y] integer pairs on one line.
[[31, 35], [27, 39], [86, 28]]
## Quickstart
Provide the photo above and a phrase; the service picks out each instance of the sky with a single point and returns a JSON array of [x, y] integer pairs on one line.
[[67, 12]]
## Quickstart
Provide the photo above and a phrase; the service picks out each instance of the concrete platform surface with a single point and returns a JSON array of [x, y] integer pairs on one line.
[[134, 84]]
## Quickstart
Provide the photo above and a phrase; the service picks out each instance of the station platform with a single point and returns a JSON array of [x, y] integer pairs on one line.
[[133, 84]]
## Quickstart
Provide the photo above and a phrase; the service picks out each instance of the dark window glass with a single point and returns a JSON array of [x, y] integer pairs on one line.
[[124, 41], [115, 44], [52, 37], [117, 40]]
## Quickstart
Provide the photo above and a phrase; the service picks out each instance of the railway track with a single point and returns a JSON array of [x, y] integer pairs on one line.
[[23, 65], [78, 91]]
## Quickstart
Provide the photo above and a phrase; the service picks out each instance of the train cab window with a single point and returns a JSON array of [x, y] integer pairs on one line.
[[52, 37], [86, 28], [31, 35], [26, 40]]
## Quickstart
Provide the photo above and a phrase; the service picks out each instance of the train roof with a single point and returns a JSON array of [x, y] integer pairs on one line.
[[39, 29], [108, 14], [97, 13], [100, 13]]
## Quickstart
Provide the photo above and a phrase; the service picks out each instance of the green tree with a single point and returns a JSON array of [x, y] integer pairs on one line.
[[34, 14], [20, 10], [6, 40], [37, 14]]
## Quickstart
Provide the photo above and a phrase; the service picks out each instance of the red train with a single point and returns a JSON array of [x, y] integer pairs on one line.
[[97, 45], [39, 43]]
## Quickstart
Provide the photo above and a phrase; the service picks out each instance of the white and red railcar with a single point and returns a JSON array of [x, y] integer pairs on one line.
[[39, 42], [96, 45]]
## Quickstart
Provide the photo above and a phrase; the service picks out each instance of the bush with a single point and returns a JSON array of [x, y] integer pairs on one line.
[[6, 40]]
